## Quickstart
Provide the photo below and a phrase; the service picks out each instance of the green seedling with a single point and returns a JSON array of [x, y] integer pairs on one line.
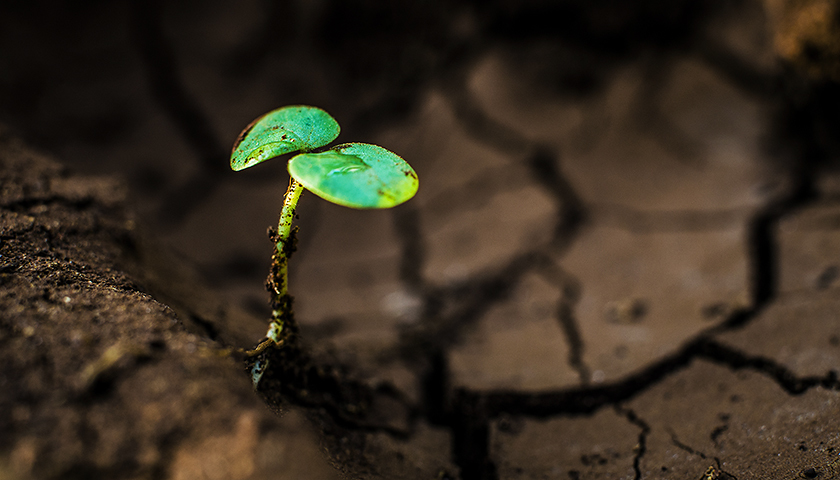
[[357, 175]]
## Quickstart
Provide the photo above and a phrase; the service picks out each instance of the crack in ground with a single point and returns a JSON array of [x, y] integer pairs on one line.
[[641, 444], [569, 326], [588, 399], [543, 163], [785, 378], [472, 411], [540, 159], [719, 430], [713, 472], [477, 123], [463, 414], [471, 437], [450, 310], [676, 442], [570, 288]]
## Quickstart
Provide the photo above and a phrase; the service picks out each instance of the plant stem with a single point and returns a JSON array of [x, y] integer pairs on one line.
[[281, 302], [285, 243]]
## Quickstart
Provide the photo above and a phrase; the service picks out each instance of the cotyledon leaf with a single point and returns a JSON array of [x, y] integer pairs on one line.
[[358, 175], [285, 130]]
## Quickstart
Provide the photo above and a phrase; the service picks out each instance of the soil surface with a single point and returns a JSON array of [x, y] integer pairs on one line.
[[622, 262]]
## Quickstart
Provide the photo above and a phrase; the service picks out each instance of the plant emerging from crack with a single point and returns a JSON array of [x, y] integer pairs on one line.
[[357, 175]]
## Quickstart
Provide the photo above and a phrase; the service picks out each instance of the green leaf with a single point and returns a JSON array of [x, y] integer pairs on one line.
[[285, 130], [357, 175]]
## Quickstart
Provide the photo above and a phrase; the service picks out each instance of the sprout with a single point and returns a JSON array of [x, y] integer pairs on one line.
[[357, 175]]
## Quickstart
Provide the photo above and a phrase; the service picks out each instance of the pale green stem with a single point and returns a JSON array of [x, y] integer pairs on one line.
[[284, 233], [282, 304]]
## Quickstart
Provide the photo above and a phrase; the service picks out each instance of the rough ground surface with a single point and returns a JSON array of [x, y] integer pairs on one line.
[[622, 261], [100, 379]]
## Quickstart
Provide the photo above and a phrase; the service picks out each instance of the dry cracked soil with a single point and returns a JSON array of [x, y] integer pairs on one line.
[[623, 261]]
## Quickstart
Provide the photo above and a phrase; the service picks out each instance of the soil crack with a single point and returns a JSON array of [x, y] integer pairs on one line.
[[471, 437], [641, 444]]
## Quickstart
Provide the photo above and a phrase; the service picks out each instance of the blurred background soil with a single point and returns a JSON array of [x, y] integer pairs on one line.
[[622, 261]]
